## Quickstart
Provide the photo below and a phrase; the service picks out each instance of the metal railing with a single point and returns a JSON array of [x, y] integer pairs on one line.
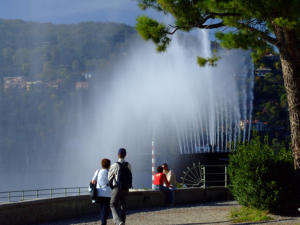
[[204, 176], [212, 175], [16, 196], [215, 175]]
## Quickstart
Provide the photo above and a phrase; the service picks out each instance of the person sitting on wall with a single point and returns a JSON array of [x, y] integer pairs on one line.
[[159, 180], [170, 175], [171, 179]]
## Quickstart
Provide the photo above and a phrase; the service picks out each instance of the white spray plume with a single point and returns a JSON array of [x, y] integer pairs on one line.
[[167, 92]]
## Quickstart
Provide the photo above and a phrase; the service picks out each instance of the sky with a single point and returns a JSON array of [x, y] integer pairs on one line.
[[73, 11]]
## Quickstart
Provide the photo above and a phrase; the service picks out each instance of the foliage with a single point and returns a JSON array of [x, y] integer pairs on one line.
[[270, 103], [247, 214], [261, 174], [211, 61], [179, 185], [149, 28], [251, 23]]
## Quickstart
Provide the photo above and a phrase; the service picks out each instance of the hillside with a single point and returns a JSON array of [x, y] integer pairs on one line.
[[47, 72], [49, 52]]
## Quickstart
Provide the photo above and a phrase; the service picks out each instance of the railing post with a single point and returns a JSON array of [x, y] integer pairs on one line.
[[225, 176], [9, 196], [23, 196], [204, 178], [37, 193], [79, 191], [66, 192], [51, 192]]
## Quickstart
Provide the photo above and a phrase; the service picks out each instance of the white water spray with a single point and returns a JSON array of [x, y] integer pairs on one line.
[[200, 106]]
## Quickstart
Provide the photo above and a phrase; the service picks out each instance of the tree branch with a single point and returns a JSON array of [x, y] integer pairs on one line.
[[212, 26], [262, 34], [175, 29], [201, 26], [214, 14]]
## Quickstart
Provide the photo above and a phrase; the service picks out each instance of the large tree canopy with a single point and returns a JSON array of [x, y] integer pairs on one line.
[[261, 26]]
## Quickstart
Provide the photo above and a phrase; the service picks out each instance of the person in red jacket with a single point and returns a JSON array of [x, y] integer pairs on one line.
[[159, 180]]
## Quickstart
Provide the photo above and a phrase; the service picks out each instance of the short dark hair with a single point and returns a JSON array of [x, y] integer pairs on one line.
[[159, 169], [105, 163], [122, 153], [165, 165]]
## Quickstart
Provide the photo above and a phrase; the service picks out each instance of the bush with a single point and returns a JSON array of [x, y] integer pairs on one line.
[[261, 175]]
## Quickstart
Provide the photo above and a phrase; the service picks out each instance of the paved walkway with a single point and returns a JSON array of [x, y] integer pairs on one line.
[[201, 214]]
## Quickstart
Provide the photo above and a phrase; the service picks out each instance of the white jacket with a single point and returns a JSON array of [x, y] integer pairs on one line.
[[102, 181]]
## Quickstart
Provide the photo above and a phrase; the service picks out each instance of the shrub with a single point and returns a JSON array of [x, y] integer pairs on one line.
[[261, 174]]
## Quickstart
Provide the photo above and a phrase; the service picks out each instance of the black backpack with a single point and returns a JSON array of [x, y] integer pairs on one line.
[[125, 177]]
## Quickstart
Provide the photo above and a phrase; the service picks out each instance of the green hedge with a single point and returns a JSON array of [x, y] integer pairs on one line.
[[261, 174]]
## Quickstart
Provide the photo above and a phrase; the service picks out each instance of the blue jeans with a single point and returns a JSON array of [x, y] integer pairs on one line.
[[167, 191]]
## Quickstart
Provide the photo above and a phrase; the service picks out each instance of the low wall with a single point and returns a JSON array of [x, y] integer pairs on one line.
[[44, 210]]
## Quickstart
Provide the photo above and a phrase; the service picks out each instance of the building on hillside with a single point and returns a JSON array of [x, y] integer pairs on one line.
[[13, 82], [37, 83], [87, 76], [82, 85], [267, 65], [271, 57], [255, 124], [261, 72], [54, 84]]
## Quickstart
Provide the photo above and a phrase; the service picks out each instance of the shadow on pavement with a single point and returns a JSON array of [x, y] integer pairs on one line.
[[265, 222], [81, 220], [219, 222], [223, 203], [228, 221]]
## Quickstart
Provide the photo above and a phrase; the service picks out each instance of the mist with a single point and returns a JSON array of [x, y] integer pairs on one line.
[[165, 97]]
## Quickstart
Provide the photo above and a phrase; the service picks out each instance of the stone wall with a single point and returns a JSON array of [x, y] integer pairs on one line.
[[44, 210]]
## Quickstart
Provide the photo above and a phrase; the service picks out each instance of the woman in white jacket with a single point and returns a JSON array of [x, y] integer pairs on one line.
[[103, 190]]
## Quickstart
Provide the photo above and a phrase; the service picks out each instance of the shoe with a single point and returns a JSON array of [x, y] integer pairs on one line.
[[122, 223]]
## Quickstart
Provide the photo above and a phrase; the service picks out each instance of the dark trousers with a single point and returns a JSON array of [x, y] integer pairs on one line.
[[167, 191], [118, 205], [104, 209]]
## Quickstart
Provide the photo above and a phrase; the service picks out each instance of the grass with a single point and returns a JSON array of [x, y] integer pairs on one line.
[[245, 214]]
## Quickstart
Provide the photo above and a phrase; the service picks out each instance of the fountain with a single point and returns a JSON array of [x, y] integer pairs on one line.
[[191, 110]]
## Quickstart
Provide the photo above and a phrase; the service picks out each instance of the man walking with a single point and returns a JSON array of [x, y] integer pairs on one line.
[[120, 180]]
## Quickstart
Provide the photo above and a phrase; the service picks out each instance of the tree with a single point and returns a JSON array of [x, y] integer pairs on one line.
[[262, 26]]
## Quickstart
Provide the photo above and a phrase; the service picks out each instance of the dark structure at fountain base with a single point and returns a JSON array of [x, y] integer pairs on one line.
[[192, 169]]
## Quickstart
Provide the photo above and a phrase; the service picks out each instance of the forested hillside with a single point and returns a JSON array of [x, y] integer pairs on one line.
[[50, 52], [270, 103], [47, 74]]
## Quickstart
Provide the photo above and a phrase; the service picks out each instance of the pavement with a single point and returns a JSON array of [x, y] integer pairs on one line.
[[215, 213]]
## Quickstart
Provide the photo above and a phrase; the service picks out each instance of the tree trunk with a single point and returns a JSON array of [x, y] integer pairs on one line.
[[289, 48], [291, 75]]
